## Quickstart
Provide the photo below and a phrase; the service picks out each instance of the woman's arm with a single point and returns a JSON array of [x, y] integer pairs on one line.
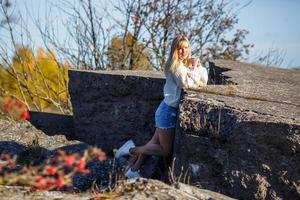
[[191, 78], [204, 76], [181, 77], [199, 76]]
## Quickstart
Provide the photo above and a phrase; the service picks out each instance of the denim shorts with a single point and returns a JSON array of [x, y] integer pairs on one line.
[[165, 116]]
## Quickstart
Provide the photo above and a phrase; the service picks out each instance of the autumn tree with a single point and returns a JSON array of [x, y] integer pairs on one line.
[[152, 24], [119, 51], [206, 23], [86, 33], [92, 29], [38, 80]]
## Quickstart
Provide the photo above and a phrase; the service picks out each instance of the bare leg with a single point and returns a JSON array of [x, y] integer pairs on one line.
[[142, 157], [139, 162], [161, 144]]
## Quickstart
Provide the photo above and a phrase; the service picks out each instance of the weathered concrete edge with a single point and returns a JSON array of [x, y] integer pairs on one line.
[[220, 75], [125, 73]]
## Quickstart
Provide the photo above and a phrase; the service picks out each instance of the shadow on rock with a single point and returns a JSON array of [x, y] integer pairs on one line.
[[53, 123]]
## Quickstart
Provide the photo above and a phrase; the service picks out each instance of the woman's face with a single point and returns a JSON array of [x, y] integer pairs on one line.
[[183, 51]]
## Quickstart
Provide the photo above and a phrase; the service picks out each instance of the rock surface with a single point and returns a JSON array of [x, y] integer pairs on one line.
[[141, 189], [34, 146], [16, 137], [136, 189], [245, 133], [111, 107], [259, 88], [17, 193], [238, 136]]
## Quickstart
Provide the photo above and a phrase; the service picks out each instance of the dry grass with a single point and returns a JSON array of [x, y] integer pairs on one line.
[[183, 177]]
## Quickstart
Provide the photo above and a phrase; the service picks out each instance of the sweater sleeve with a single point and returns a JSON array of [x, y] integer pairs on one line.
[[199, 76], [191, 78], [204, 76], [181, 77]]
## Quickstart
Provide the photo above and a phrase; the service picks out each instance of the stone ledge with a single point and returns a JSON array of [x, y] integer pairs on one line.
[[111, 108], [239, 138], [227, 135], [125, 73], [138, 189], [258, 88]]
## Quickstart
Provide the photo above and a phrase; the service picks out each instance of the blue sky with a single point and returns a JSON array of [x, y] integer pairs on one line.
[[272, 24]]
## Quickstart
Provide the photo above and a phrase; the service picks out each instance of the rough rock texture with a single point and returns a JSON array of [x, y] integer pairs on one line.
[[17, 193], [22, 138], [111, 107], [141, 189], [259, 88], [137, 189], [243, 139], [15, 138], [53, 123], [239, 137]]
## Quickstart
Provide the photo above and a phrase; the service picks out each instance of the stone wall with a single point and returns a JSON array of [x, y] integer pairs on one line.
[[111, 107], [45, 122], [242, 154], [239, 137]]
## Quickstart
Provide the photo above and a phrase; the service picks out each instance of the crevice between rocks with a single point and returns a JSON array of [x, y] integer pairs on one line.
[[216, 76]]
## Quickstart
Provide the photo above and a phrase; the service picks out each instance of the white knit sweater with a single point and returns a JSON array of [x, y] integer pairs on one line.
[[184, 78]]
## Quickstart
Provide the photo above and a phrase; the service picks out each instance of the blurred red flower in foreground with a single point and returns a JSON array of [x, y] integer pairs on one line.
[[8, 106], [42, 183], [25, 115], [51, 170], [14, 108], [55, 173], [81, 167], [60, 183], [69, 160]]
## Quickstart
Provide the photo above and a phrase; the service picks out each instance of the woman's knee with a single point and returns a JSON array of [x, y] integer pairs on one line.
[[155, 138]]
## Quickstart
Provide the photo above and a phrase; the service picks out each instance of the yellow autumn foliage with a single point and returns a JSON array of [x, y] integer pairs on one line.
[[40, 81], [119, 50]]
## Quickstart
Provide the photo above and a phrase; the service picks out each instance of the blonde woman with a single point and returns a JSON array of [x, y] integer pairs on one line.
[[181, 72]]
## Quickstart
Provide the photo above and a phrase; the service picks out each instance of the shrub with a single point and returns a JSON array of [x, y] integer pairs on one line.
[[55, 173], [14, 108]]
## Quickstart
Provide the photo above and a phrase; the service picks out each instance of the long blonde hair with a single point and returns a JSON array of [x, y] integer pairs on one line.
[[173, 61]]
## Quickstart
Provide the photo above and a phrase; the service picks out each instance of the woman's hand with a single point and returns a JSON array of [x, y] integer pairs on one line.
[[194, 62]]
